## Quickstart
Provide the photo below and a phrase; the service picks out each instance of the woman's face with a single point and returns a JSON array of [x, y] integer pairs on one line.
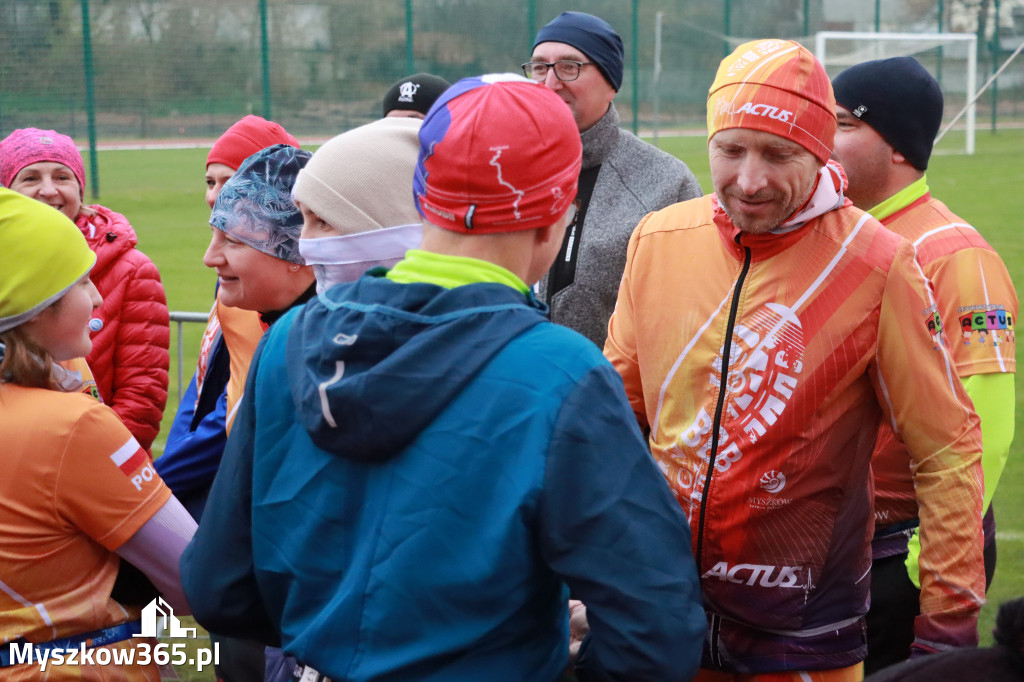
[[51, 183], [251, 279], [63, 328], [216, 175]]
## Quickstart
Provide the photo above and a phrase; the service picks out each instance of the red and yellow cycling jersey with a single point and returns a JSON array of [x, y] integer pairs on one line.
[[815, 335]]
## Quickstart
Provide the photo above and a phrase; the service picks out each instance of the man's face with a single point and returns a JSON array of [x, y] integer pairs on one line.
[[589, 96], [761, 179], [866, 157]]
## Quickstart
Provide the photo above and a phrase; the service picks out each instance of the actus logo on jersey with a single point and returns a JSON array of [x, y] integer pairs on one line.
[[752, 574]]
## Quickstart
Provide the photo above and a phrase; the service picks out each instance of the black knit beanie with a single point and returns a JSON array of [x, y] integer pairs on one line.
[[899, 99], [414, 93], [592, 36]]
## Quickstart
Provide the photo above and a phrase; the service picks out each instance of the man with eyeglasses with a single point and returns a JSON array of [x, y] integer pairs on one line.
[[580, 58]]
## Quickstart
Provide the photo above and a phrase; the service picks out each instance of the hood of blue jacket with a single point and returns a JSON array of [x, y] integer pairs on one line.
[[373, 362]]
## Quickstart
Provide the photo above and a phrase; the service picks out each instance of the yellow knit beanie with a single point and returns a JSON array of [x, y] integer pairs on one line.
[[42, 253]]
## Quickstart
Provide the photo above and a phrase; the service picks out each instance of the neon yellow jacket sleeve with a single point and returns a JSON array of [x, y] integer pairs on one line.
[[994, 398]]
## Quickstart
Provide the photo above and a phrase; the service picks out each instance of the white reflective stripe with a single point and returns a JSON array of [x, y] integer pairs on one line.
[[998, 347], [40, 608], [936, 230], [325, 406], [230, 419], [656, 426], [814, 632]]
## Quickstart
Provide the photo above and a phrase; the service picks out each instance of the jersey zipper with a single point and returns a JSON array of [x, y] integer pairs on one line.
[[720, 405], [714, 634]]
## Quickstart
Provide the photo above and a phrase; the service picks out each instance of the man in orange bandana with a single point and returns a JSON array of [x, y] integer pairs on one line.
[[763, 332]]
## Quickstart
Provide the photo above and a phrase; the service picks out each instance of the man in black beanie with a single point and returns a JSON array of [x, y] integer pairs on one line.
[[889, 112], [412, 96], [580, 58]]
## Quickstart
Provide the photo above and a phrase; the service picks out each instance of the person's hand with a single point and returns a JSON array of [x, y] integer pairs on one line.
[[578, 628]]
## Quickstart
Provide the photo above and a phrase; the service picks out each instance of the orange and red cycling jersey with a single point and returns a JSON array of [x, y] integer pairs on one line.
[[976, 302], [815, 335]]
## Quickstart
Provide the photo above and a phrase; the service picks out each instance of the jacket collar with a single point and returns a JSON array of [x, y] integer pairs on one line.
[[600, 139]]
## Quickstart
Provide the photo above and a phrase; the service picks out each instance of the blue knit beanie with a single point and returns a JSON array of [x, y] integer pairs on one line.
[[899, 99], [590, 35]]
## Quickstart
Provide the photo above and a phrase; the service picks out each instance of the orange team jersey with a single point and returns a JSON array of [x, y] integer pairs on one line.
[[977, 304], [206, 344], [76, 486], [811, 334], [242, 331]]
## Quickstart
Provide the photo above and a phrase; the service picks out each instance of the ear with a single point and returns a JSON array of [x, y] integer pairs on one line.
[[542, 236], [897, 157]]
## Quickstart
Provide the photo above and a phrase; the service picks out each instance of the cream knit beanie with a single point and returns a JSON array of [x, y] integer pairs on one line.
[[361, 180]]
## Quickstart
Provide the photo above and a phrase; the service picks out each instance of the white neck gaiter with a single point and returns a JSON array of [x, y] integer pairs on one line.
[[346, 257]]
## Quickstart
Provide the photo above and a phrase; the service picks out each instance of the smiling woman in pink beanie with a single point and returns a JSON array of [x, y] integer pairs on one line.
[[131, 329]]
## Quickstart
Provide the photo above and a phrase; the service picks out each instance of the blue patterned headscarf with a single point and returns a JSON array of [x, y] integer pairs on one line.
[[255, 205]]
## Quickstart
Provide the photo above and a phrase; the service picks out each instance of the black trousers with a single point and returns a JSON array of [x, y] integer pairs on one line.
[[895, 602]]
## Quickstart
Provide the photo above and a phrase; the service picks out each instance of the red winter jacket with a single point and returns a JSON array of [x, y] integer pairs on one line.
[[131, 330]]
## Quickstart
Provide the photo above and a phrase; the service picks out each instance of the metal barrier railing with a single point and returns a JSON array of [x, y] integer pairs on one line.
[[180, 318]]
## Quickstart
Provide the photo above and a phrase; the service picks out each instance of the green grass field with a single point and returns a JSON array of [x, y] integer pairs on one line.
[[162, 194]]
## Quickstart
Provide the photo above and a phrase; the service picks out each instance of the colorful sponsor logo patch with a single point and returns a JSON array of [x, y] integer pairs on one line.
[[934, 323], [990, 323], [986, 321]]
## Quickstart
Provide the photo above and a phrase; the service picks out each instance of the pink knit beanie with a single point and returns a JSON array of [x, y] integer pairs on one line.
[[26, 146]]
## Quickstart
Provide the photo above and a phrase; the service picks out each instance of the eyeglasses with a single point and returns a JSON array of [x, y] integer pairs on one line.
[[565, 69]]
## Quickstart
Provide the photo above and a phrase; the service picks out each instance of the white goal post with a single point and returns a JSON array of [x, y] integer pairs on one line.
[[837, 50]]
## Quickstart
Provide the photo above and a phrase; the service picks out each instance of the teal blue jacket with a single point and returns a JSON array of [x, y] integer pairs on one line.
[[416, 479]]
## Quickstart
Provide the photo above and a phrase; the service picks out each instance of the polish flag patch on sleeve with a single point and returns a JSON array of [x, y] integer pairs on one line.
[[129, 457]]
